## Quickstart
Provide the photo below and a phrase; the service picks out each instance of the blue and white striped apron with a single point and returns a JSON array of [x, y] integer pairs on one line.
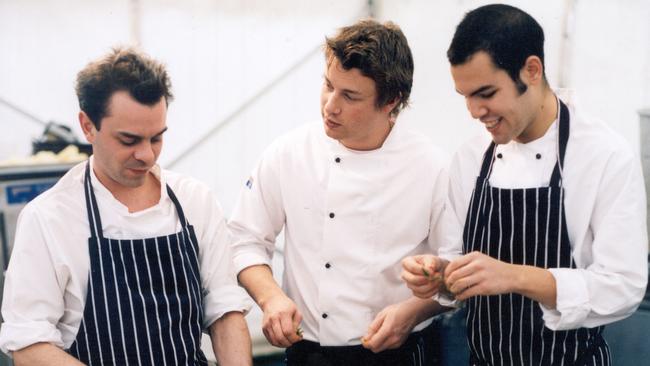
[[523, 226], [144, 300]]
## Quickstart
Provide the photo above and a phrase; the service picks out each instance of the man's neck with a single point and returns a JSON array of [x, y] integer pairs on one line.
[[545, 117], [372, 143], [142, 197], [135, 198]]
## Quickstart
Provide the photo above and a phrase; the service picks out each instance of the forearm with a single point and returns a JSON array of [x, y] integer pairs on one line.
[[231, 340], [535, 283], [259, 282], [44, 354], [423, 309]]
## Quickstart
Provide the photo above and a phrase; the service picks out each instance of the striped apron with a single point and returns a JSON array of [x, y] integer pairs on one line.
[[143, 304], [523, 226]]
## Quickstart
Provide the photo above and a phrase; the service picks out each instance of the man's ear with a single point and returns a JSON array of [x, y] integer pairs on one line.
[[532, 73], [390, 106], [87, 126]]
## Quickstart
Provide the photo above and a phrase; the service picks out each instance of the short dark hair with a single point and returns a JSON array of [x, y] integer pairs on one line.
[[122, 69], [381, 52], [508, 34]]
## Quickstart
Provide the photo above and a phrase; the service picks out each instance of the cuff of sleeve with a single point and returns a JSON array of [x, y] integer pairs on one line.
[[252, 256], [572, 300], [446, 301], [229, 298], [14, 337]]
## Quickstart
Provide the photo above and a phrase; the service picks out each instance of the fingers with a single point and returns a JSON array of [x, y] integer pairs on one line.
[[412, 279], [413, 264], [281, 324], [458, 263], [421, 274], [419, 268], [430, 267], [275, 334], [461, 286], [376, 335]]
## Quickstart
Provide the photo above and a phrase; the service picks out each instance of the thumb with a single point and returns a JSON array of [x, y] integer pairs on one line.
[[374, 326], [296, 320]]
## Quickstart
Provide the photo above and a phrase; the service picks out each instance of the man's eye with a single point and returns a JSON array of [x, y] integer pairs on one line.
[[488, 95], [128, 142]]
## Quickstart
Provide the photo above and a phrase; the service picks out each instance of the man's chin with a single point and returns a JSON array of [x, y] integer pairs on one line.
[[132, 182], [336, 135]]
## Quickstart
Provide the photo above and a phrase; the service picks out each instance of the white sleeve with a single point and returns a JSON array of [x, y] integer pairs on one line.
[[258, 216], [613, 284], [221, 293], [32, 302], [445, 233], [448, 226]]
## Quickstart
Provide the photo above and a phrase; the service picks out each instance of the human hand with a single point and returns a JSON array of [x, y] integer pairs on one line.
[[281, 321], [479, 274], [424, 274], [390, 328]]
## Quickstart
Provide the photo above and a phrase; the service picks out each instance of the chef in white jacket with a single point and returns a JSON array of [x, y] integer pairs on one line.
[[354, 194], [552, 203], [122, 262]]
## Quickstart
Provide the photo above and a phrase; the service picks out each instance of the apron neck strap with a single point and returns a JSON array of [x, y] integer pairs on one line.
[[488, 161], [91, 206], [563, 140], [179, 209]]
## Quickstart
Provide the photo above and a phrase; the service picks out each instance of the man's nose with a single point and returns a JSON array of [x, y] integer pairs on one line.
[[332, 105], [144, 152], [476, 108]]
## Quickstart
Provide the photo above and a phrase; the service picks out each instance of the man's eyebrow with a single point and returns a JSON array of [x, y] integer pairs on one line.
[[138, 137], [480, 90], [348, 91]]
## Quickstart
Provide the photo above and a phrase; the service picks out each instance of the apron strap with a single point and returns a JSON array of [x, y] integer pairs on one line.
[[563, 139], [488, 160], [179, 209], [91, 206]]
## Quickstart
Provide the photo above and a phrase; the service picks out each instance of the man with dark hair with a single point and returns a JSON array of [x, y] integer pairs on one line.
[[554, 238], [121, 262], [354, 195]]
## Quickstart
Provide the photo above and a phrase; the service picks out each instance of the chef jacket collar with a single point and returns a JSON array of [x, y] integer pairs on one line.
[[105, 195]]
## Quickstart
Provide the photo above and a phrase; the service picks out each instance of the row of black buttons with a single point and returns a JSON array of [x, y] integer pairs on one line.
[[537, 156], [332, 215]]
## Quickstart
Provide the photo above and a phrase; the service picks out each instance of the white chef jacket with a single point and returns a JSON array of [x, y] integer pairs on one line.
[[605, 211], [46, 282], [349, 217]]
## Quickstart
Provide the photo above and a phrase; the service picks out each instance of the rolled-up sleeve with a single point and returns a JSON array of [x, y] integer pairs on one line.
[[32, 301], [221, 293], [258, 217], [612, 273]]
